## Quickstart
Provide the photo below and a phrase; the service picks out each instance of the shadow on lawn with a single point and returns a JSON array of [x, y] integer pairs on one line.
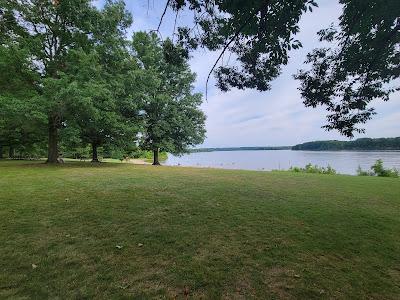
[[67, 164]]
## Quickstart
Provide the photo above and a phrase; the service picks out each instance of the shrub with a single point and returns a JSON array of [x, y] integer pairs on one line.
[[309, 168], [361, 172], [295, 169], [380, 171]]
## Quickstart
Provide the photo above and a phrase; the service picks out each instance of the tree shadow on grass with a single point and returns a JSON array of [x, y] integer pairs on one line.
[[67, 164]]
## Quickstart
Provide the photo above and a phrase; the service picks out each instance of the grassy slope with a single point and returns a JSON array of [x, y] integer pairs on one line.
[[205, 233]]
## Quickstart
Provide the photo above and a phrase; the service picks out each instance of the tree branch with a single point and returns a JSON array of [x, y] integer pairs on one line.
[[173, 32], [162, 16], [236, 35]]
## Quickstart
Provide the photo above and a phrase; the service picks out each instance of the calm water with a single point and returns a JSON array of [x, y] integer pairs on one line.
[[345, 162]]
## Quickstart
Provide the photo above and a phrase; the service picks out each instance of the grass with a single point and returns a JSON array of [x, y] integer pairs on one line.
[[197, 233]]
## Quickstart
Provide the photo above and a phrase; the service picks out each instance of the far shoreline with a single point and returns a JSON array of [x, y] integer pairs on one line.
[[296, 150]]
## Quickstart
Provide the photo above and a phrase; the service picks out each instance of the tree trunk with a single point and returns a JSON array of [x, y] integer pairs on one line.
[[95, 158], [156, 162], [1, 152], [52, 156], [11, 152]]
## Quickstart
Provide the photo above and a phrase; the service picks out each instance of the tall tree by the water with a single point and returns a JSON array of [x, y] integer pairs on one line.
[[172, 120]]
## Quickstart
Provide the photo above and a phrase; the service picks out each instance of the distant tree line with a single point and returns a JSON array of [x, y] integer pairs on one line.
[[359, 144], [239, 149]]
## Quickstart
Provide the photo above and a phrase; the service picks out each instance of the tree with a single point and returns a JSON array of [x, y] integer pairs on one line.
[[98, 111], [257, 33], [171, 117], [102, 108], [358, 144], [21, 128], [22, 117], [363, 67], [260, 33], [48, 30]]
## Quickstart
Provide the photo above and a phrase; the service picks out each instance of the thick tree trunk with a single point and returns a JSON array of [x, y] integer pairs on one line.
[[156, 162], [95, 158], [52, 156], [1, 151], [11, 152]]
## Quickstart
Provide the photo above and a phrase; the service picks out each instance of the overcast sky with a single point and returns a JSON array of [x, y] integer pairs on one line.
[[272, 118]]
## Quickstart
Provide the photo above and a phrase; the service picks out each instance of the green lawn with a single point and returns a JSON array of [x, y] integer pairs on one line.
[[199, 233]]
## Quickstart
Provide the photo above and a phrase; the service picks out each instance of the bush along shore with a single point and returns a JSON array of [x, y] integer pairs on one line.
[[376, 170]]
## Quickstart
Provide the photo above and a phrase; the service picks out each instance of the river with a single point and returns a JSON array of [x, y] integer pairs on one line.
[[344, 162]]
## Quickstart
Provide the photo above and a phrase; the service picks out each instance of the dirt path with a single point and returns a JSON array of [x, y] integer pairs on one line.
[[138, 161]]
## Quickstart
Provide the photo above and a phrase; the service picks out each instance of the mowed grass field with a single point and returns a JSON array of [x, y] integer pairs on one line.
[[122, 231]]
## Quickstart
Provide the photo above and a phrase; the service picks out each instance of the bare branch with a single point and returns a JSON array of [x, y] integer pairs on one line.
[[173, 32], [162, 16]]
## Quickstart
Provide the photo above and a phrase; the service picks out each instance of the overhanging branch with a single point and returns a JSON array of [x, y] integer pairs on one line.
[[235, 36]]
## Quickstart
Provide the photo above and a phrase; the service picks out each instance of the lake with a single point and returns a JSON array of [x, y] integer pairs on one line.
[[344, 162]]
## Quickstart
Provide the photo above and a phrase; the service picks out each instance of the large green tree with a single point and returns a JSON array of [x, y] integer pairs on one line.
[[22, 117], [48, 31], [172, 120], [99, 111], [103, 108], [22, 128]]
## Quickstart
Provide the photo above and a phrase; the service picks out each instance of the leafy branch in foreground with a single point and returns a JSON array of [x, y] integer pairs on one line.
[[363, 67], [259, 34], [360, 64]]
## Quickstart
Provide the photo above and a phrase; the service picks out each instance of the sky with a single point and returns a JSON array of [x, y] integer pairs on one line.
[[272, 118]]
